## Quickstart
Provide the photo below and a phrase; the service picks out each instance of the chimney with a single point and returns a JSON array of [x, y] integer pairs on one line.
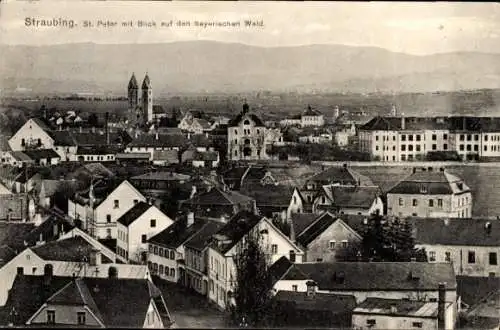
[[403, 124], [95, 257], [311, 288], [47, 274], [156, 136], [93, 129], [441, 305], [292, 232], [487, 228], [81, 129], [112, 272], [414, 170], [193, 191], [189, 136], [106, 122], [190, 219]]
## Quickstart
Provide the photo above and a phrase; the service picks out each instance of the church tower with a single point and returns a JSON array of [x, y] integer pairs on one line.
[[133, 93], [147, 99]]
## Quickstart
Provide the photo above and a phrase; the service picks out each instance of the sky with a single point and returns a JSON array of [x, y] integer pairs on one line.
[[414, 28]]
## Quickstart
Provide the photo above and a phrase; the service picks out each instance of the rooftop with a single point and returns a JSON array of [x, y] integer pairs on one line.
[[343, 175], [162, 176], [352, 196], [423, 181], [202, 238], [135, 212], [398, 307], [178, 233], [73, 249], [218, 196], [320, 224]]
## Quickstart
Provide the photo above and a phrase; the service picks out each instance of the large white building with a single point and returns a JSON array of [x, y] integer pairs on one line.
[[430, 193]]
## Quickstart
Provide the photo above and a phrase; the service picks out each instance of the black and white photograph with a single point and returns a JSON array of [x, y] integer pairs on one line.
[[249, 164]]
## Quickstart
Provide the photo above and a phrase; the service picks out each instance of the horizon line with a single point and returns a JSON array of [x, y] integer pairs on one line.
[[249, 45]]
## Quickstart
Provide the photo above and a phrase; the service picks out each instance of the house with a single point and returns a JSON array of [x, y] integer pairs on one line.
[[470, 245], [135, 227], [313, 134], [48, 227], [312, 309], [74, 253], [34, 133], [133, 158], [149, 143], [245, 137], [218, 203], [20, 180], [276, 201], [16, 207], [196, 261], [208, 159], [239, 176], [227, 243], [167, 251], [51, 301], [393, 280], [18, 159], [49, 189], [165, 157], [430, 193], [4, 148], [190, 123], [386, 313], [344, 135], [159, 181], [97, 153], [99, 207], [12, 239], [484, 314], [312, 117], [323, 237], [43, 157], [340, 175], [362, 200], [295, 120]]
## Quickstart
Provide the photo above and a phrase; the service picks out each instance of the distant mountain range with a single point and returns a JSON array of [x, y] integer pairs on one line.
[[206, 66]]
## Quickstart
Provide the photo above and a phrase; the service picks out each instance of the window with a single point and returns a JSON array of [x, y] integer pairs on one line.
[[294, 199], [136, 201], [462, 137], [144, 238], [153, 223], [33, 270], [493, 258], [445, 146], [155, 250], [172, 255], [432, 255], [434, 147], [344, 244], [403, 137], [51, 317], [469, 148], [116, 203], [476, 147], [410, 147], [80, 317], [418, 137], [403, 147], [476, 137], [274, 249], [108, 233], [486, 138], [440, 202], [294, 288], [160, 252], [417, 324], [39, 142], [461, 147], [445, 136], [469, 137], [371, 322], [471, 257], [376, 137], [319, 260], [431, 203], [401, 202], [161, 269], [23, 142], [447, 256], [20, 270], [292, 256], [415, 202], [410, 137], [246, 122], [172, 272], [434, 137], [331, 245]]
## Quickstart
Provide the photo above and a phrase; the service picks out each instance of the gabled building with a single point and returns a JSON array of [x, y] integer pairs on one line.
[[276, 201], [149, 143], [228, 241], [430, 193], [192, 124], [470, 245], [86, 302], [245, 137], [218, 203], [324, 238], [312, 117], [361, 200], [135, 227], [99, 207], [166, 257]]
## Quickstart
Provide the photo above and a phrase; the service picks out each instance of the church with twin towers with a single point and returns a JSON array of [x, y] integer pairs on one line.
[[140, 101]]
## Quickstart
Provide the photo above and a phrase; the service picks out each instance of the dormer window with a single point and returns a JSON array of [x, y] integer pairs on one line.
[[246, 122], [423, 189], [116, 204]]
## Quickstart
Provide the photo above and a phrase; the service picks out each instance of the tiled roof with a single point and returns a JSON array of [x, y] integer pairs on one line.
[[463, 232], [310, 112], [51, 187], [237, 227], [109, 299], [343, 175], [352, 196], [320, 310], [163, 141], [398, 307], [162, 176], [453, 123], [205, 124], [41, 122], [4, 143], [250, 175], [321, 223], [208, 156], [473, 289], [300, 221], [270, 195], [20, 156], [201, 239], [38, 154], [217, 196], [46, 229], [172, 156], [95, 139], [487, 307], [382, 276], [279, 268], [13, 234], [62, 138], [6, 254], [200, 140], [98, 150], [236, 121], [69, 249], [178, 233], [431, 183], [134, 213], [133, 155]]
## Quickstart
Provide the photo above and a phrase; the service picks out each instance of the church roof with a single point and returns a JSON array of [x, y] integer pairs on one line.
[[133, 82], [146, 83]]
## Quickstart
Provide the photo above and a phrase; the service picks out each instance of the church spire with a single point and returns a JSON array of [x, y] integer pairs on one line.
[[146, 84], [132, 84]]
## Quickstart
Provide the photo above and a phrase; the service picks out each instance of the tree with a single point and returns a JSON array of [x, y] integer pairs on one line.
[[93, 120], [252, 287]]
